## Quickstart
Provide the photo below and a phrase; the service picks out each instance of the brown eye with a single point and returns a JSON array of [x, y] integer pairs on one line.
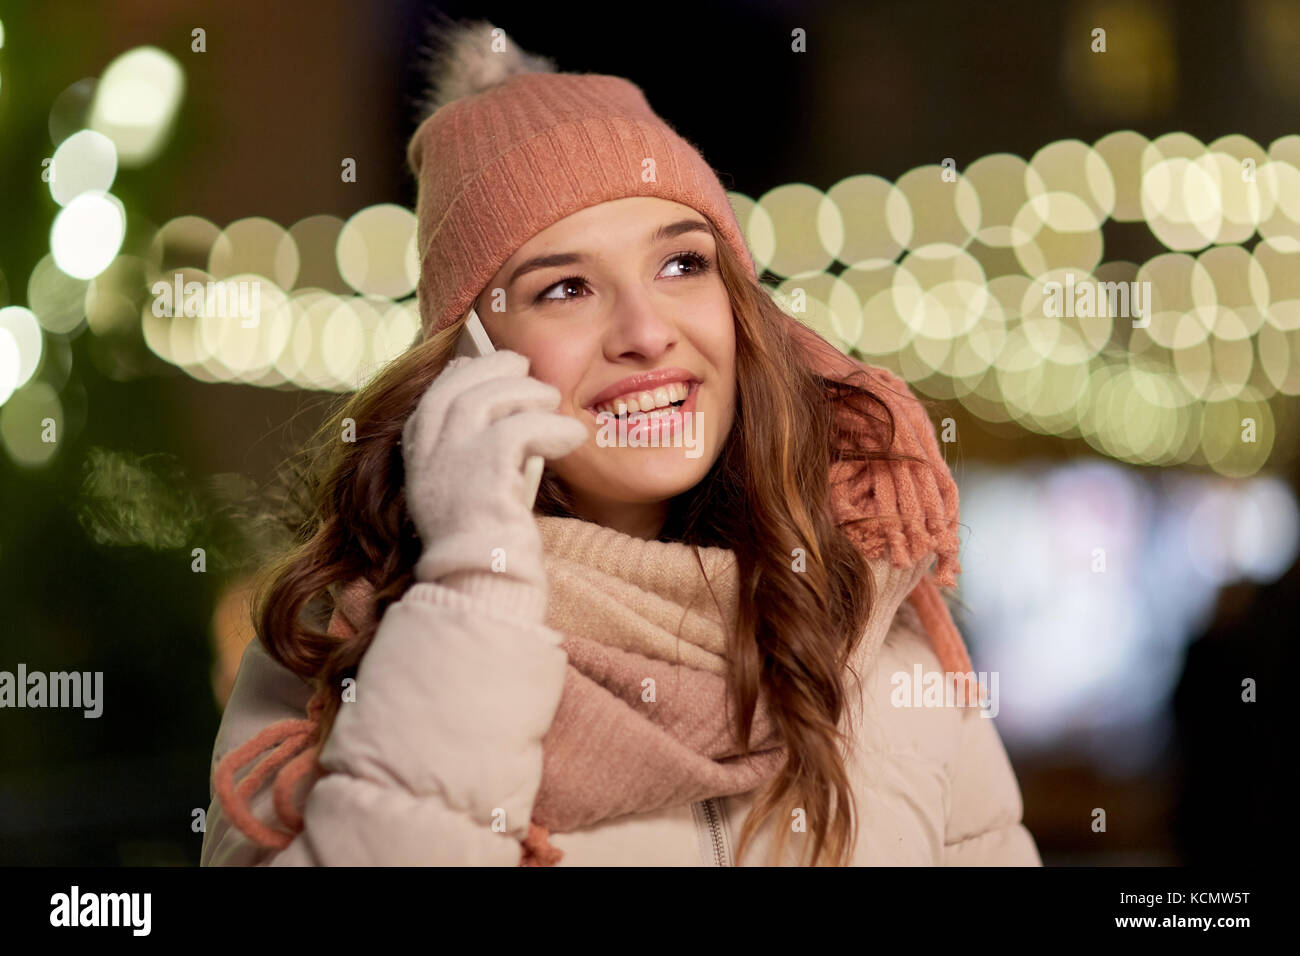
[[571, 281], [696, 263]]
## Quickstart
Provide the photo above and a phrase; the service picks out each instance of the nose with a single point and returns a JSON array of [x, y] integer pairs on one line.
[[637, 329]]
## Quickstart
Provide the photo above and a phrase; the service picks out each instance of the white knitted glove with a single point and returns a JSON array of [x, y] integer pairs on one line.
[[464, 449]]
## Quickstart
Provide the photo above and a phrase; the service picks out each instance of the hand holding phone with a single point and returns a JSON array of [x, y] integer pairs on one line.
[[464, 448], [474, 342]]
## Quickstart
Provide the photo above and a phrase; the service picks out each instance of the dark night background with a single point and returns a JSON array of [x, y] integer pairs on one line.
[[287, 88]]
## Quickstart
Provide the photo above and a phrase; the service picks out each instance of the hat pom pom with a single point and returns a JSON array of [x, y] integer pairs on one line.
[[471, 56]]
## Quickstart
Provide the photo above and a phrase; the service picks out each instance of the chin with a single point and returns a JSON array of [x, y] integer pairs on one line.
[[637, 475]]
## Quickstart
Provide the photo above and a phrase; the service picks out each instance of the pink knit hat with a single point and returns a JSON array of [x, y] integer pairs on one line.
[[511, 150]]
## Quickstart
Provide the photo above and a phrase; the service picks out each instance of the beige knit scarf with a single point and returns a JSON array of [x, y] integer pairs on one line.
[[643, 722]]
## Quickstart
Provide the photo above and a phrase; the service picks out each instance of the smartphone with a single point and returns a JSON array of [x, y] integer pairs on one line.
[[474, 342]]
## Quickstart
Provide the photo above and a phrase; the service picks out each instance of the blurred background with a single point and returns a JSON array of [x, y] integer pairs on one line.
[[913, 177]]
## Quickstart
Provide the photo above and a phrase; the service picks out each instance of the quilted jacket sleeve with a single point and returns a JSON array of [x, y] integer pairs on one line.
[[984, 825], [439, 758]]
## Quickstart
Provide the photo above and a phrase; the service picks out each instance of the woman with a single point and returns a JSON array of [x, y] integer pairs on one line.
[[572, 682]]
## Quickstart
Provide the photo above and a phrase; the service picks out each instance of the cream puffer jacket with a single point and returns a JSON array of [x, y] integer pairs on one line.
[[933, 786]]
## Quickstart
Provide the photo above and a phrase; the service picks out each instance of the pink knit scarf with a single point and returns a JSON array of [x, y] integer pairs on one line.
[[646, 620]]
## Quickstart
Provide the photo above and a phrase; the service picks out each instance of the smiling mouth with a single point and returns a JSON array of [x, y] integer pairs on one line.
[[622, 409]]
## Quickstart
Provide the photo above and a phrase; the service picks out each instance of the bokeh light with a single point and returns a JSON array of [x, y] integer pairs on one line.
[[87, 234], [31, 424], [376, 251], [136, 101], [26, 345], [85, 161], [986, 286]]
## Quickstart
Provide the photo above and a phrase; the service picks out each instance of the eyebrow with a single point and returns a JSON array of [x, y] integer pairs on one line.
[[666, 231]]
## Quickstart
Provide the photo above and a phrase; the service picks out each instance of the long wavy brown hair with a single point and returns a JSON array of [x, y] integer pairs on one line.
[[767, 494]]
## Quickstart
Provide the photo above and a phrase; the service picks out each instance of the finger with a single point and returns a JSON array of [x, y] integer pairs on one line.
[[458, 378], [461, 373], [548, 434], [488, 401], [477, 409], [500, 364]]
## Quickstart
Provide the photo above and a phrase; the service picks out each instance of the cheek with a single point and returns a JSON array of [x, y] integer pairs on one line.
[[721, 354], [720, 328], [555, 364]]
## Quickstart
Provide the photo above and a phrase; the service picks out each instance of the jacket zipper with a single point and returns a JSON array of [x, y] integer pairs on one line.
[[717, 832]]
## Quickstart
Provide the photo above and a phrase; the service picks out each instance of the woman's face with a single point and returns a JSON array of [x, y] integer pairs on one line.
[[596, 301]]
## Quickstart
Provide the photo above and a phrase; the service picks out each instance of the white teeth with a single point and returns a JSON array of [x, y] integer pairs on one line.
[[646, 401]]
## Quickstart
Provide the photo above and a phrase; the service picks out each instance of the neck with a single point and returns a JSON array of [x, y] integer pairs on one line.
[[637, 520]]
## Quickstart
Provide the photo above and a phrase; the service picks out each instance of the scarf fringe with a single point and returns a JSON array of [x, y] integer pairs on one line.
[[537, 848], [290, 746], [944, 636]]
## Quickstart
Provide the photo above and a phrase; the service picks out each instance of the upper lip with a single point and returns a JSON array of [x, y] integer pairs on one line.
[[643, 382]]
